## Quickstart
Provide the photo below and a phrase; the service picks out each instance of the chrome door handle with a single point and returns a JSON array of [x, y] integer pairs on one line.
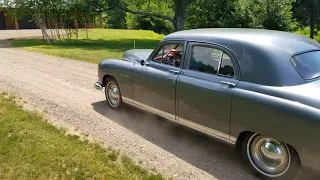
[[229, 84], [174, 71]]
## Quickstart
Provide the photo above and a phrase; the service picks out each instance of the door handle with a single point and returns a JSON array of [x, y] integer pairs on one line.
[[229, 84], [174, 71]]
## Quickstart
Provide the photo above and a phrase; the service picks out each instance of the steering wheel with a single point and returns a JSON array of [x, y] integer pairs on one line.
[[172, 58]]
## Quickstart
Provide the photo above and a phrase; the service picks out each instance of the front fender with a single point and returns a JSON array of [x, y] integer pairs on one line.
[[121, 70]]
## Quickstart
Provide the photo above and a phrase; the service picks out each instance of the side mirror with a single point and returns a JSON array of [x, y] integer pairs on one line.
[[144, 63]]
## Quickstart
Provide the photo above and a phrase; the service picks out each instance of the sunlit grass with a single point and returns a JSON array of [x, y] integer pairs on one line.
[[30, 148], [102, 44], [306, 32]]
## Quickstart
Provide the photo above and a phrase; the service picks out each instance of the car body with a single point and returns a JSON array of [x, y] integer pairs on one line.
[[264, 92]]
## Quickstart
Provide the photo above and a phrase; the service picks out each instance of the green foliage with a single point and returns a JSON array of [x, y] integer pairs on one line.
[[30, 148], [271, 14], [307, 13], [115, 19], [306, 32], [217, 14], [268, 14], [148, 23], [302, 11], [161, 26]]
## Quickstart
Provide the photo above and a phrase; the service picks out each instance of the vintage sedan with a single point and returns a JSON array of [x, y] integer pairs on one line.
[[256, 89]]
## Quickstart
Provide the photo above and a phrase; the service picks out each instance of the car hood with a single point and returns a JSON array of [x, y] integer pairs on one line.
[[137, 54]]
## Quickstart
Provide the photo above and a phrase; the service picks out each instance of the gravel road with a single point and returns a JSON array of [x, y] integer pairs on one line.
[[62, 88]]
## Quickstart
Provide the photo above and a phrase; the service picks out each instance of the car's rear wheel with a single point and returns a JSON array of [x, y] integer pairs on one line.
[[112, 92], [269, 158]]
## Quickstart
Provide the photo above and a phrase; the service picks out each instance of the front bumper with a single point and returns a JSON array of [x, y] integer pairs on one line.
[[98, 86]]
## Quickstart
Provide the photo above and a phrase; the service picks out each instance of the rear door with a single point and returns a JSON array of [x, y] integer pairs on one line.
[[205, 88]]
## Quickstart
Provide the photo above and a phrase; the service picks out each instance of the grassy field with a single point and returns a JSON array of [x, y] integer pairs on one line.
[[30, 148], [102, 44]]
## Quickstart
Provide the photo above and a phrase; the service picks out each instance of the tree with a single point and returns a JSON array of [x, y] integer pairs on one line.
[[51, 16], [217, 14], [158, 25], [179, 8], [269, 14], [307, 12]]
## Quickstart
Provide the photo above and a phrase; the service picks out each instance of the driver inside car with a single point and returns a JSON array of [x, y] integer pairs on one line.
[[172, 57]]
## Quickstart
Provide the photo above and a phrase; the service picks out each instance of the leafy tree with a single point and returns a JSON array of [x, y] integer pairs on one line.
[[116, 18], [137, 21], [307, 12], [176, 7], [268, 14], [271, 14], [216, 13]]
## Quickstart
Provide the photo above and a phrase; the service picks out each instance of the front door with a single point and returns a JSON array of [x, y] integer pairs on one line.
[[155, 85], [205, 89]]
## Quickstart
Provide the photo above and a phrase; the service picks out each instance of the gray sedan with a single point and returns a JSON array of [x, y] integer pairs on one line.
[[256, 89]]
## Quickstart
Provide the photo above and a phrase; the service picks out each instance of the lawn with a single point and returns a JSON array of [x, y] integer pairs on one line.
[[102, 44], [31, 148]]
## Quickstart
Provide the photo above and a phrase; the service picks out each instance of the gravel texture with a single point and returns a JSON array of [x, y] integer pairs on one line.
[[63, 89], [21, 33]]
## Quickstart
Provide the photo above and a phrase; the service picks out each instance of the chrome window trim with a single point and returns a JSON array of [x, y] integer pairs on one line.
[[206, 130]]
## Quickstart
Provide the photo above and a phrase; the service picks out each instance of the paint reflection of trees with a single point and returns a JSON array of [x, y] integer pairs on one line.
[[227, 70], [200, 66]]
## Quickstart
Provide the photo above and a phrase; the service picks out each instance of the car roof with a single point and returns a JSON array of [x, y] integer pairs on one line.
[[291, 43], [263, 55]]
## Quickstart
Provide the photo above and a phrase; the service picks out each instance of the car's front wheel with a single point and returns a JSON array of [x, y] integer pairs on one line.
[[270, 158], [112, 92]]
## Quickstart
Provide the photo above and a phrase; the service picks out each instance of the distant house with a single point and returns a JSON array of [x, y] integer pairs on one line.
[[8, 22]]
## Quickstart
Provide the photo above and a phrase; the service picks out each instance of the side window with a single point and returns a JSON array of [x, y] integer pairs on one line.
[[226, 67], [211, 60], [205, 59], [170, 54]]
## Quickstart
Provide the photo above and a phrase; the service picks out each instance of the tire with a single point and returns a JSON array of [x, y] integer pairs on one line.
[[112, 93], [286, 162]]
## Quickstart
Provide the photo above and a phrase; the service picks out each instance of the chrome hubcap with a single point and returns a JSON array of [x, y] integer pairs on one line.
[[113, 95], [268, 155]]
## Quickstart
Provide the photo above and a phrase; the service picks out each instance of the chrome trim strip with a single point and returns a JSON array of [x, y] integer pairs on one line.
[[127, 100], [155, 110], [149, 108], [233, 139], [206, 130]]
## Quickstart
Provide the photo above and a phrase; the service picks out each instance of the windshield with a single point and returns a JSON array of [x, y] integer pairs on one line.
[[307, 64]]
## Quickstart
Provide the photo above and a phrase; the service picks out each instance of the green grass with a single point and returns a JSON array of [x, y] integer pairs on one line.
[[306, 32], [30, 148], [102, 44]]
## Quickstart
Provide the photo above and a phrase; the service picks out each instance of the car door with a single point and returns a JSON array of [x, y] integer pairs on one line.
[[205, 88], [155, 85]]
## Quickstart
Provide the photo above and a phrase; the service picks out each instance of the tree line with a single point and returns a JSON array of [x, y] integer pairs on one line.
[[57, 17]]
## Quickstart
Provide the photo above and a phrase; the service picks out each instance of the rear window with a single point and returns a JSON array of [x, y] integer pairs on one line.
[[307, 64]]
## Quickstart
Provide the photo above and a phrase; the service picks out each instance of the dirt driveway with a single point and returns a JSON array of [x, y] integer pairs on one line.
[[13, 34], [63, 89]]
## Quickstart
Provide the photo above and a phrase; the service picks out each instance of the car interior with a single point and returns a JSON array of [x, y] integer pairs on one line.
[[170, 54]]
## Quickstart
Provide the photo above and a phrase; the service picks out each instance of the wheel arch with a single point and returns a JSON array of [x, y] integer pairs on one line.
[[105, 77]]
